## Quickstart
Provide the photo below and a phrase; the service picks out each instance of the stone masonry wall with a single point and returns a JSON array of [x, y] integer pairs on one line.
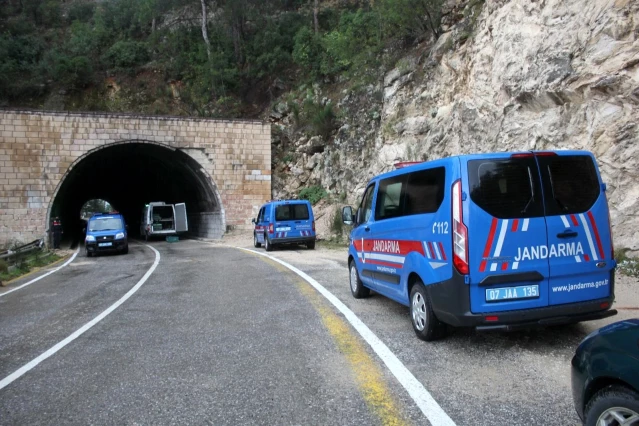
[[38, 148]]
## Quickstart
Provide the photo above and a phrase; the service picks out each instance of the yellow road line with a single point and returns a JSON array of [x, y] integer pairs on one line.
[[367, 373]]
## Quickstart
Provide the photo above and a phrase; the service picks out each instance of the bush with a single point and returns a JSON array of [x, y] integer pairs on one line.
[[126, 54], [4, 266], [322, 118], [313, 194], [337, 226]]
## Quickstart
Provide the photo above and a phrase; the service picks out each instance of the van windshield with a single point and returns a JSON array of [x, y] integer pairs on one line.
[[291, 212], [105, 224]]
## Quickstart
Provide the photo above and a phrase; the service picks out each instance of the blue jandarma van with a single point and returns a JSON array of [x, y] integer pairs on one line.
[[284, 222], [493, 241]]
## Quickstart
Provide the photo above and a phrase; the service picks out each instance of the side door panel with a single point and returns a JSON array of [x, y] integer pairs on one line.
[[181, 221], [580, 245], [507, 234], [259, 227], [361, 238]]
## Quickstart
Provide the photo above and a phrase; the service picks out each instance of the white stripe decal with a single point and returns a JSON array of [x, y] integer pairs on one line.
[[587, 229], [502, 235], [578, 259], [515, 265], [493, 267], [525, 226], [439, 255], [565, 221], [423, 399], [80, 331], [426, 250], [386, 257]]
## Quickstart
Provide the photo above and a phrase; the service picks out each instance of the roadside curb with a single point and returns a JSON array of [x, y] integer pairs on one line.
[[39, 269]]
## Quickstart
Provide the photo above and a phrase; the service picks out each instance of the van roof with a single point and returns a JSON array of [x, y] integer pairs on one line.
[[466, 157]]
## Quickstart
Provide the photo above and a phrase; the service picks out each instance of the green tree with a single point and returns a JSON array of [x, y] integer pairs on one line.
[[410, 18]]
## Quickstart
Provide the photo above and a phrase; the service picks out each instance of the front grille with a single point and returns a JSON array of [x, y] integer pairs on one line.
[[105, 238]]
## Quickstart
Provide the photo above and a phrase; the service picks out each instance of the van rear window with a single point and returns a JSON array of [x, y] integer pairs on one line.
[[507, 188], [291, 212], [571, 183]]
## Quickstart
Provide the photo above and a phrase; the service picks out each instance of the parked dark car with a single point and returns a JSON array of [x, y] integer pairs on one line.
[[605, 376]]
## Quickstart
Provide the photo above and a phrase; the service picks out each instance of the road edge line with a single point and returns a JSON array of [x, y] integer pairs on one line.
[[51, 351], [420, 395], [43, 275]]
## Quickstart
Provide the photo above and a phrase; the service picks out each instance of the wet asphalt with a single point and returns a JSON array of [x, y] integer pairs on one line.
[[221, 336], [215, 336]]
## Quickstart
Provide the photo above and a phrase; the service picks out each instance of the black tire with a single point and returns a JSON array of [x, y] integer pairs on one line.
[[255, 242], [623, 400], [426, 325], [126, 250], [310, 245], [358, 290], [268, 246], [87, 253]]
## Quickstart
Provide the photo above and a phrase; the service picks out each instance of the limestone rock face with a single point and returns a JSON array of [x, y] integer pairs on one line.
[[552, 74]]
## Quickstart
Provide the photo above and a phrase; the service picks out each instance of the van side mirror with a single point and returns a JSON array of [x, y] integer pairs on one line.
[[347, 215], [253, 220]]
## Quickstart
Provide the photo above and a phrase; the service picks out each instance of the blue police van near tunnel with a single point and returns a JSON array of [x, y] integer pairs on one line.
[[491, 241], [106, 232]]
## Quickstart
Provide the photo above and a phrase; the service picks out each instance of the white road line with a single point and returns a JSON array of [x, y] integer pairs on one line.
[[431, 409], [29, 366], [42, 276]]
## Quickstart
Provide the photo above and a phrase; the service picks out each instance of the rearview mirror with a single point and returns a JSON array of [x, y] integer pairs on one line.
[[347, 215]]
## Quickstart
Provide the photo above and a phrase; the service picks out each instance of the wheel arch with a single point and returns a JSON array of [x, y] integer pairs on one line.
[[600, 383]]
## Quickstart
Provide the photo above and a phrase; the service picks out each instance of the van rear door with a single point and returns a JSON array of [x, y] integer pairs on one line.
[[580, 245], [506, 233], [181, 222], [293, 220]]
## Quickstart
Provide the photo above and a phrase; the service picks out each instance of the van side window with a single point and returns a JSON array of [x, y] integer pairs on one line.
[[260, 216], [389, 198], [570, 182], [425, 191], [412, 193], [366, 206], [506, 189]]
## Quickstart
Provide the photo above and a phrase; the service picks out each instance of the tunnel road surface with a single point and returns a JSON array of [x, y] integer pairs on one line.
[[214, 336]]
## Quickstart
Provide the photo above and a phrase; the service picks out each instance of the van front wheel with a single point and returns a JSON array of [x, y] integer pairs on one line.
[[426, 325], [357, 287]]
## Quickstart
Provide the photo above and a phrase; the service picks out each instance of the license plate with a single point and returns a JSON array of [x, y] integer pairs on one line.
[[283, 229], [510, 293], [105, 244]]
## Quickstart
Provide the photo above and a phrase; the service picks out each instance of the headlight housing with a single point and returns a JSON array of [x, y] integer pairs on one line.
[[90, 238], [119, 235]]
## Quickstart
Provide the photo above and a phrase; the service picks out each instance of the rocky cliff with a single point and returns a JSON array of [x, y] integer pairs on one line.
[[504, 75]]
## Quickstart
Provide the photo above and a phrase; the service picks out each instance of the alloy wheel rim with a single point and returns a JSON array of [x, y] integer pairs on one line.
[[418, 308], [618, 416], [353, 278]]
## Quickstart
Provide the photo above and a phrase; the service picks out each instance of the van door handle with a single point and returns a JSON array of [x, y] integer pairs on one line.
[[567, 234]]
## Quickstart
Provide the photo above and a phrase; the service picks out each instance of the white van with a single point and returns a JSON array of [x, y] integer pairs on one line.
[[159, 218]]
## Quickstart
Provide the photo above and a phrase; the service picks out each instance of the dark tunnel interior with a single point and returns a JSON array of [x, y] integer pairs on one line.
[[131, 175]]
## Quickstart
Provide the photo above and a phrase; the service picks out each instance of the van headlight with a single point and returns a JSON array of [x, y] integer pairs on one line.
[[119, 235], [90, 238]]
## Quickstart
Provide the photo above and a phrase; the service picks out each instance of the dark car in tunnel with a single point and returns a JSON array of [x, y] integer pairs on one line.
[[605, 375], [106, 232]]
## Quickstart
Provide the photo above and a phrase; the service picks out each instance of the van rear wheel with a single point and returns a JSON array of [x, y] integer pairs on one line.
[[357, 286], [426, 325], [267, 244], [255, 242], [310, 245]]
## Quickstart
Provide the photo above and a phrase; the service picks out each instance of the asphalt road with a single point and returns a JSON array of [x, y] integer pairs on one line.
[[217, 335]]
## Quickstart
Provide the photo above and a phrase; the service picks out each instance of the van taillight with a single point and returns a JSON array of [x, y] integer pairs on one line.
[[271, 229], [460, 232], [313, 223]]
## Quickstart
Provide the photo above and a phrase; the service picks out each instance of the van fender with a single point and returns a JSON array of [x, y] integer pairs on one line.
[[416, 263]]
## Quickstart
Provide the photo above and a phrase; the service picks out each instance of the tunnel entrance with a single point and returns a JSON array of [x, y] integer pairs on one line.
[[130, 175]]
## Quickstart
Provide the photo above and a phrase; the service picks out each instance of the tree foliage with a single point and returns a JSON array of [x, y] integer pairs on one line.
[[48, 45]]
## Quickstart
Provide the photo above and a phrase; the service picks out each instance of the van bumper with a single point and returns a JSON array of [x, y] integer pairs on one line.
[[451, 304], [118, 245], [294, 240]]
